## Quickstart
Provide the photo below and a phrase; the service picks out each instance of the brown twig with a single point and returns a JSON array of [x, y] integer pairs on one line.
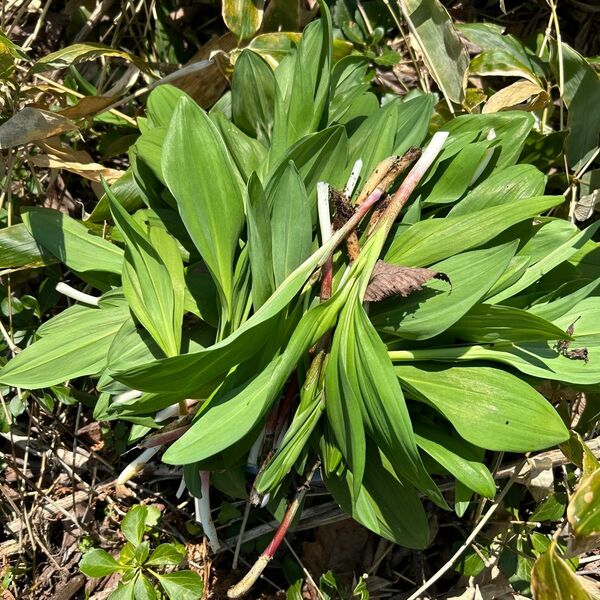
[[244, 585]]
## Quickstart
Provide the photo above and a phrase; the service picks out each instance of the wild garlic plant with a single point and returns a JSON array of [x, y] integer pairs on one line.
[[392, 347]]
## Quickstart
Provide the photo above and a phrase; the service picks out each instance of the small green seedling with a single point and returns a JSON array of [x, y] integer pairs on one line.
[[140, 568]]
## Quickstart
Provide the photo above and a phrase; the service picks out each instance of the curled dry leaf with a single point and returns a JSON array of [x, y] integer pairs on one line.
[[515, 94], [32, 124], [392, 280], [87, 106]]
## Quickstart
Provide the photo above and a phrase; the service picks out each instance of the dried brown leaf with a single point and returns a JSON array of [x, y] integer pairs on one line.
[[31, 124], [392, 280]]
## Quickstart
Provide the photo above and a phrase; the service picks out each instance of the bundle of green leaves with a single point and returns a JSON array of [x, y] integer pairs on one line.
[[210, 290]]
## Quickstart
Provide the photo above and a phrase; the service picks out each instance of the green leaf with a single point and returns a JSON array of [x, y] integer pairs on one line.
[[343, 401], [248, 154], [128, 194], [489, 36], [166, 554], [491, 323], [391, 130], [376, 506], [430, 311], [385, 412], [161, 104], [181, 585], [134, 524], [461, 459], [442, 49], [124, 591], [143, 588], [200, 174], [252, 112], [581, 94], [236, 409], [98, 563], [558, 255], [291, 223], [71, 242], [66, 352], [503, 185], [243, 17], [501, 63], [303, 87], [19, 250], [460, 173], [153, 280], [427, 242], [553, 579], [259, 243], [488, 407]]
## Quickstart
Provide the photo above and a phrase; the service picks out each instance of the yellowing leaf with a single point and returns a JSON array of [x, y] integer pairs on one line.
[[442, 49], [32, 124], [89, 170], [77, 53], [243, 17], [515, 94], [552, 579]]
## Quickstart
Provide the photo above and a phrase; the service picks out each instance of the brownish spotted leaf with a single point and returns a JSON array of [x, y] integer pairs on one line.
[[392, 280]]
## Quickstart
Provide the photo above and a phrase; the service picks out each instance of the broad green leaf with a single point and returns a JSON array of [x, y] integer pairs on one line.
[[291, 223], [538, 359], [243, 17], [66, 352], [503, 185], [248, 154], [442, 49], [252, 112], [181, 585], [427, 242], [488, 407], [19, 250], [391, 130], [385, 412], [491, 323], [72, 243], [234, 412], [376, 506], [200, 174], [134, 523], [459, 174], [430, 311], [461, 459], [343, 401], [559, 302], [303, 87], [510, 129], [305, 419], [489, 36], [581, 94], [149, 149], [124, 591], [501, 63], [166, 554], [98, 563], [143, 588], [161, 104], [259, 243], [553, 579], [554, 258], [321, 156], [153, 280], [128, 194]]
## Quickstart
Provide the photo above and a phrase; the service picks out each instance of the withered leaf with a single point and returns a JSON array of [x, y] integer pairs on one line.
[[392, 280]]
